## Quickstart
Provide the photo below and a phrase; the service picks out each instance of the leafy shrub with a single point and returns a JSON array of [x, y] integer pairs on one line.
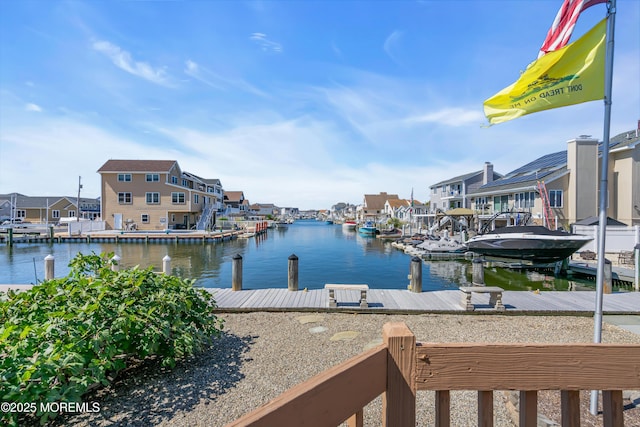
[[66, 335]]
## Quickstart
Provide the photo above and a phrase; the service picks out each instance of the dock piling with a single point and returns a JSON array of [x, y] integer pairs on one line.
[[416, 274], [478, 271], [166, 265], [115, 263], [236, 273], [49, 267], [293, 272]]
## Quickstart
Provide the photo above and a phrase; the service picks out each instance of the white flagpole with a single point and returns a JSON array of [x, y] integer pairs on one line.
[[602, 232]]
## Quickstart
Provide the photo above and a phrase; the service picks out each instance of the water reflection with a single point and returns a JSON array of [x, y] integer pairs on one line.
[[326, 253]]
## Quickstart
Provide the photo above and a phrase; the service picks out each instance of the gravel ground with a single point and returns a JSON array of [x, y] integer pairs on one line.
[[261, 355]]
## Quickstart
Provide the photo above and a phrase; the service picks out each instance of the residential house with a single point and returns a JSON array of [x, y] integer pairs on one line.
[[373, 205], [155, 195], [561, 188], [454, 192], [264, 209], [235, 203], [214, 186], [46, 209]]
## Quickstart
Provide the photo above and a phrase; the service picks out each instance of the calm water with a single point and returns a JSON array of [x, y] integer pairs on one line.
[[327, 254]]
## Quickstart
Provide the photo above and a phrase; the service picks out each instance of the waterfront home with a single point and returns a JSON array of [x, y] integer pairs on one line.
[[561, 188], [403, 209], [372, 208], [155, 195], [46, 209], [454, 192], [264, 209], [235, 204]]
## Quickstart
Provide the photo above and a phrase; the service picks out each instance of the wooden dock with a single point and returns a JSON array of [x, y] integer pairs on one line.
[[404, 301], [395, 301]]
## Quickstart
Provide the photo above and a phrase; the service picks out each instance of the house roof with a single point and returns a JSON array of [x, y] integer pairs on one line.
[[233, 196], [458, 178], [377, 201], [112, 166], [548, 167], [594, 220]]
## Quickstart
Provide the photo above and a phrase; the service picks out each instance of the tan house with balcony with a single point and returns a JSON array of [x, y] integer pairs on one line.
[[155, 195]]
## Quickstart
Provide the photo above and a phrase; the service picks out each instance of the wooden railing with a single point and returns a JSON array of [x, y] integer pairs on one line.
[[399, 368]]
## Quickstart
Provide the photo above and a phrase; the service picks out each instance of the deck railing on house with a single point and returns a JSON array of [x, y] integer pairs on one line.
[[400, 367]]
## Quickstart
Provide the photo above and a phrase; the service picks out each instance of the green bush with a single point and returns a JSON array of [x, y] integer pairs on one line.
[[66, 335]]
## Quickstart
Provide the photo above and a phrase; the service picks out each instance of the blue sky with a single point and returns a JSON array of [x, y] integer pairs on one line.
[[297, 103]]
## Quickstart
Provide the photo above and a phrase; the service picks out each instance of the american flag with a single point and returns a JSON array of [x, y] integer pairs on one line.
[[562, 27]]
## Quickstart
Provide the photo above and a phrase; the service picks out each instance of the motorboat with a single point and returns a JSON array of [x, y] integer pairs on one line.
[[349, 225], [532, 243], [369, 228]]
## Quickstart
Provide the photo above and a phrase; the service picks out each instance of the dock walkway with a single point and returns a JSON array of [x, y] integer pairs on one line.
[[403, 301]]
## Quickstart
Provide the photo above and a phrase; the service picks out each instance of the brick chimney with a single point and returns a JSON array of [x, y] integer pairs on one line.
[[487, 173]]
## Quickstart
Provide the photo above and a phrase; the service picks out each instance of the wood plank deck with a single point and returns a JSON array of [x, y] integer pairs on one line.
[[404, 301]]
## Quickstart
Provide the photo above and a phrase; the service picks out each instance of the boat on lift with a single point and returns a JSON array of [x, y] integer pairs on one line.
[[532, 244]]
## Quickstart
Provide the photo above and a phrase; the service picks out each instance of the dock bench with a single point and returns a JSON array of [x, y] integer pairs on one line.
[[495, 296], [332, 287]]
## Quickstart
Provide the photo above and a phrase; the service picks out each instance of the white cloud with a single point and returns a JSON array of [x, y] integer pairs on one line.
[[266, 44], [451, 117], [33, 107], [123, 60], [390, 43], [218, 82]]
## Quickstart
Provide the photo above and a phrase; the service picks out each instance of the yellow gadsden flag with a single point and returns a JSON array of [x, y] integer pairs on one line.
[[567, 76]]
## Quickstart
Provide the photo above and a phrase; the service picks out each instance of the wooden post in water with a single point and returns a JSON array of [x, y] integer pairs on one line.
[[51, 233], [293, 272], [478, 271], [115, 263], [607, 285], [166, 265], [236, 273], [49, 267], [10, 237], [416, 274]]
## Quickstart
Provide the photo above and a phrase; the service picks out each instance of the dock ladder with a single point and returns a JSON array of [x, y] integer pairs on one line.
[[546, 206]]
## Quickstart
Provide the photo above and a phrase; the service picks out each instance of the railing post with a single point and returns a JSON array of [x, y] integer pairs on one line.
[[115, 263], [236, 273], [399, 400], [416, 274], [293, 272], [49, 267], [478, 271], [166, 265]]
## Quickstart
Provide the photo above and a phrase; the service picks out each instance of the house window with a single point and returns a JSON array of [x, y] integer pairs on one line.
[[123, 199], [71, 214], [185, 183], [177, 198], [21, 213], [144, 218], [196, 198], [555, 198], [174, 180], [173, 217], [524, 200], [55, 213], [124, 177], [153, 198], [153, 177]]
